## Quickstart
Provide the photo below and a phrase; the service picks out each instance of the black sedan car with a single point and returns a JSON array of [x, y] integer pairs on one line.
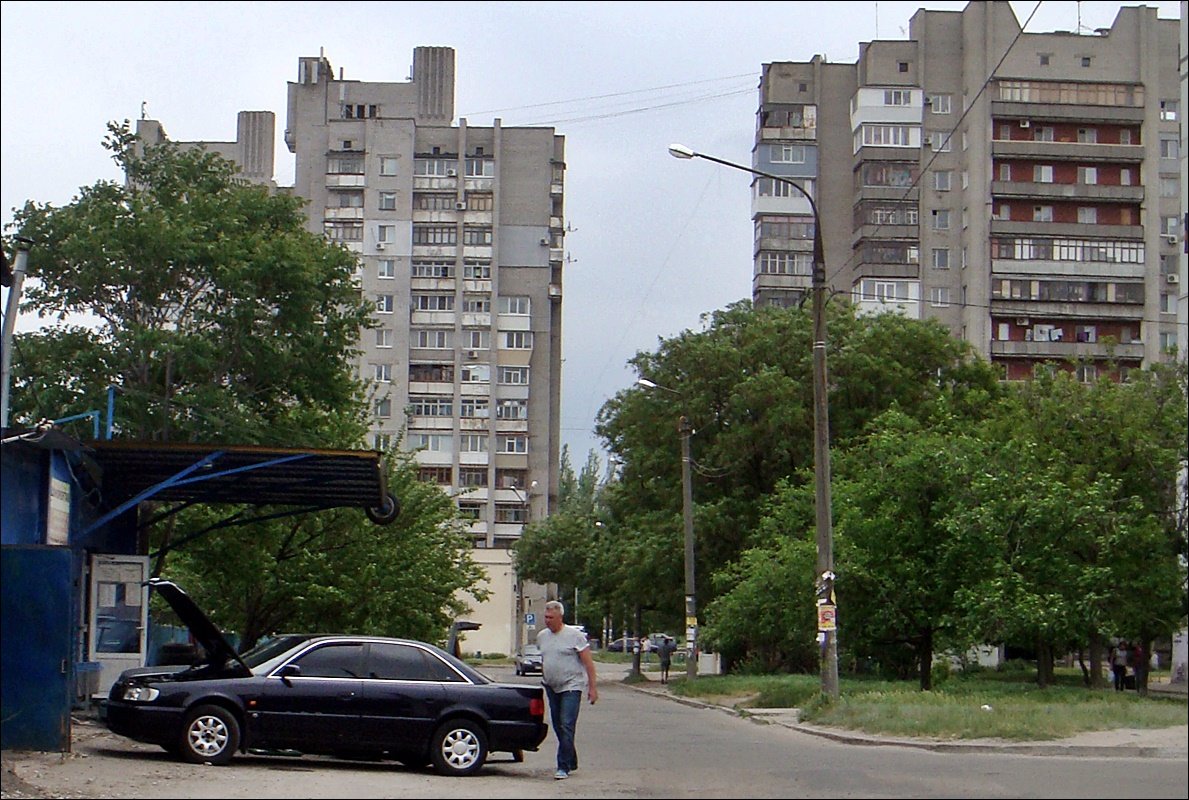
[[339, 695]]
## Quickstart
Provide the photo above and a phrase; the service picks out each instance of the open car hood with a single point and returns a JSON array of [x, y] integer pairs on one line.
[[218, 650]]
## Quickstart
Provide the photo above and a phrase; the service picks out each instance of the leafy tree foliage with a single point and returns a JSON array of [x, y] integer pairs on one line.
[[221, 319]]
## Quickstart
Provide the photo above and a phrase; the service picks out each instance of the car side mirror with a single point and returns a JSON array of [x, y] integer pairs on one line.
[[289, 671]]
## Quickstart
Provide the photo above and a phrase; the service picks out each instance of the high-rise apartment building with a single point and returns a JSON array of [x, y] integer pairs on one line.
[[459, 233], [1023, 189], [459, 236]]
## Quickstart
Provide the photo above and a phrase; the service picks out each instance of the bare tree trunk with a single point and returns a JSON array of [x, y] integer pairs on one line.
[[925, 659]]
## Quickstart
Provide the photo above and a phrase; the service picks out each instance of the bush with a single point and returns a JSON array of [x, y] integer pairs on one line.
[[941, 672]]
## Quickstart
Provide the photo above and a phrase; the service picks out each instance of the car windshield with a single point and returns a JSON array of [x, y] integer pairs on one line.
[[532, 650], [269, 649]]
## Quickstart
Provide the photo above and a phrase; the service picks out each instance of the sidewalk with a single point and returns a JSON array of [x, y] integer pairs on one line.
[[1169, 743]]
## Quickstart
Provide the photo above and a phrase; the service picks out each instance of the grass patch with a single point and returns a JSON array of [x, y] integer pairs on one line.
[[1019, 709]]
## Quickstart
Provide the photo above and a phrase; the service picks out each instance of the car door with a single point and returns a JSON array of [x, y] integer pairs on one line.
[[403, 696], [315, 707]]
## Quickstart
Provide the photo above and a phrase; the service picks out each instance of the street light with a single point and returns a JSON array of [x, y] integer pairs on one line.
[[687, 513], [827, 620]]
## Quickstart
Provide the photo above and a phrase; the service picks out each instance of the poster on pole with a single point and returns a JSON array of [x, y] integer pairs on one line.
[[827, 617]]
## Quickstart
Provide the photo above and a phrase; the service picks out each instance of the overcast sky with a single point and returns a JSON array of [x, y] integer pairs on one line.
[[655, 242]]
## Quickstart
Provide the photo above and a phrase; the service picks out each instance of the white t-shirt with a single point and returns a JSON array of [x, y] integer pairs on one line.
[[561, 668]]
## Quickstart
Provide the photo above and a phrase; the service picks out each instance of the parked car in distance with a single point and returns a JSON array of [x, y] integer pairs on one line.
[[327, 694], [528, 661], [617, 645]]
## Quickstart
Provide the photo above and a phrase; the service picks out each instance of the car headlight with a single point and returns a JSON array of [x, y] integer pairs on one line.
[[141, 694]]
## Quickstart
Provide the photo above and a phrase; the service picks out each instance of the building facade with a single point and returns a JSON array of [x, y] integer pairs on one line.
[[459, 236], [1023, 189]]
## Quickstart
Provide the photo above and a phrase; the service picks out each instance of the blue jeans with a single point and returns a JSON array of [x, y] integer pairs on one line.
[[563, 711]]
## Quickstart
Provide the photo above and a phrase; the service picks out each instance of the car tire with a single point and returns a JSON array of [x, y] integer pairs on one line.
[[459, 748], [209, 736]]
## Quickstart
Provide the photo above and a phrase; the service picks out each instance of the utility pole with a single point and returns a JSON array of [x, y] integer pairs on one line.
[[19, 267], [687, 512]]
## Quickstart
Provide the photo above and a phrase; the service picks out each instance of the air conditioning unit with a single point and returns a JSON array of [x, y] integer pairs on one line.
[[1171, 238], [451, 173], [380, 245], [1025, 123], [460, 206], [544, 242], [1022, 322], [1172, 277], [472, 353]]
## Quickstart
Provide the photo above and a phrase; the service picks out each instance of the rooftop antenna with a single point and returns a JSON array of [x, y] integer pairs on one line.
[[144, 114], [876, 20]]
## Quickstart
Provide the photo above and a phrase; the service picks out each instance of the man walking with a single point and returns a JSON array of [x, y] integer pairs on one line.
[[567, 670]]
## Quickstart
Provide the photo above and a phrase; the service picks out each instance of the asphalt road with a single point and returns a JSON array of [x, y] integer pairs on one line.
[[631, 744]]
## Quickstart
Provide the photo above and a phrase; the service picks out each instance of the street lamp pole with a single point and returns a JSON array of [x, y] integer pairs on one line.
[[684, 431], [824, 584]]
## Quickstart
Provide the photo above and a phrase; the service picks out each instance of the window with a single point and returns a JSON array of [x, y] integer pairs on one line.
[[1086, 373], [435, 234], [897, 97], [470, 510], [939, 296], [511, 409], [1043, 133], [514, 376], [435, 339], [511, 443], [1169, 226], [940, 103], [476, 235], [518, 340], [943, 179], [433, 442], [508, 513], [382, 373], [941, 258], [480, 202], [1170, 186], [1001, 212], [1167, 303], [476, 304], [788, 154], [434, 167], [941, 219], [1042, 173], [1042, 214], [1125, 176], [1088, 175], [385, 303], [474, 408], [480, 168], [514, 304], [1087, 61], [876, 135], [388, 165], [1044, 59], [332, 661], [1168, 341], [383, 337], [431, 373], [474, 339], [344, 165], [1087, 215], [432, 269], [347, 199], [1087, 135], [381, 441], [387, 201], [423, 201], [940, 141], [344, 231], [902, 66], [1005, 172], [433, 302], [406, 663], [472, 443], [386, 233], [430, 405], [511, 478], [476, 270], [475, 373], [385, 268], [1169, 147], [1168, 110], [383, 408], [474, 477], [785, 263]]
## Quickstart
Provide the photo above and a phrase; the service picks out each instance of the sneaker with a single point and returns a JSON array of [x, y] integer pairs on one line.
[[560, 775]]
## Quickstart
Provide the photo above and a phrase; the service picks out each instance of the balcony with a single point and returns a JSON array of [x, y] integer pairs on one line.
[[1068, 350], [1068, 151], [1071, 230], [1082, 192], [1065, 112]]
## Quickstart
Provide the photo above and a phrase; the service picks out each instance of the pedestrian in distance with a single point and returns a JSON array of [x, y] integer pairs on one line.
[[567, 671], [664, 654], [1119, 655]]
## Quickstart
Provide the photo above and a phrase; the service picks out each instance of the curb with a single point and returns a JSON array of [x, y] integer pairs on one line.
[[790, 721]]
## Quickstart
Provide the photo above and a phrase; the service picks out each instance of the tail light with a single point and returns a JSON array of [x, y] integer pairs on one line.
[[536, 707]]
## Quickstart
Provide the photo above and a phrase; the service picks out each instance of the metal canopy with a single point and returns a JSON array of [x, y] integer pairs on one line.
[[239, 474]]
